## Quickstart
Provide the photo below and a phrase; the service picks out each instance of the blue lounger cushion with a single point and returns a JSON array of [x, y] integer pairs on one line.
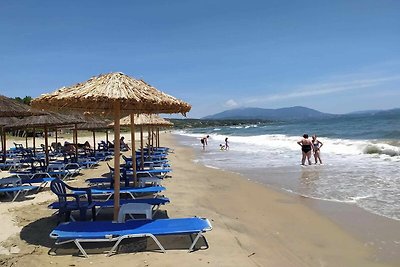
[[107, 231], [130, 190], [110, 203], [18, 188]]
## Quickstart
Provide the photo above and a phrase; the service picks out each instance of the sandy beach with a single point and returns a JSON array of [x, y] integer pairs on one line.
[[252, 225]]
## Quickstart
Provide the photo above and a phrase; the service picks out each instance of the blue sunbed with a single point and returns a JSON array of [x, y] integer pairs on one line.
[[155, 202], [107, 231], [17, 190], [132, 191]]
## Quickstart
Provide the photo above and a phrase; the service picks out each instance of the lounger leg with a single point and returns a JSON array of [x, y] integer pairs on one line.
[[114, 248], [16, 195], [81, 248], [94, 213], [195, 241], [158, 243]]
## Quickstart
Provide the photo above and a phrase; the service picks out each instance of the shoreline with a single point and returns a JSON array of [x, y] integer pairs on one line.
[[378, 232], [253, 225]]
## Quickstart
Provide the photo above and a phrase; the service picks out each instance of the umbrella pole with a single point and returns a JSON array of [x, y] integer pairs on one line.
[[158, 137], [148, 141], [76, 141], [46, 144], [117, 146], [5, 145], [26, 138], [152, 139], [107, 136], [3, 141], [94, 142], [56, 137], [141, 148], [34, 141], [133, 147]]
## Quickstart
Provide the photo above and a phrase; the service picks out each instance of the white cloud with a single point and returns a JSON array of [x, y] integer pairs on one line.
[[325, 88], [231, 103]]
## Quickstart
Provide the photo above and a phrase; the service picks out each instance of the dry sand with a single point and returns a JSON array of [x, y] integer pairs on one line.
[[252, 226]]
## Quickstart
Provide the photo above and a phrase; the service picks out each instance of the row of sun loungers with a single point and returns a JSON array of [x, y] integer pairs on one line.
[[144, 200]]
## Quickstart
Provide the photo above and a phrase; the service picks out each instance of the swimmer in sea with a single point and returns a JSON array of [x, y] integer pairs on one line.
[[204, 142], [306, 148], [316, 147]]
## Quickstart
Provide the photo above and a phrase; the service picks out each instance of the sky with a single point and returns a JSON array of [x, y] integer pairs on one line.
[[332, 56]]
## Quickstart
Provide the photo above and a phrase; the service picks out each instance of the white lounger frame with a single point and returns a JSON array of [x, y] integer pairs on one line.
[[110, 238]]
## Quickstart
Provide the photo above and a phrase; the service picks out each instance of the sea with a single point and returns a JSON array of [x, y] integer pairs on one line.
[[360, 155]]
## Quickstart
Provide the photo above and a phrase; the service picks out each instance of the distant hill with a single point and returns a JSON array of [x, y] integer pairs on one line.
[[291, 113], [376, 113], [390, 112]]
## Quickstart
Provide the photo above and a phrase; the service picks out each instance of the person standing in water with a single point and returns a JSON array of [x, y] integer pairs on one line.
[[316, 147], [203, 141], [306, 148], [226, 144]]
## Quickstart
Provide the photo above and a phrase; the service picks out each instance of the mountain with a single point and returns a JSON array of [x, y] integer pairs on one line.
[[365, 112], [291, 113]]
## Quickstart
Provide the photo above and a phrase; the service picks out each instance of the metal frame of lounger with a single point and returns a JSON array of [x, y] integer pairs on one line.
[[130, 191], [61, 170], [17, 190], [100, 205], [34, 179], [114, 236], [103, 181]]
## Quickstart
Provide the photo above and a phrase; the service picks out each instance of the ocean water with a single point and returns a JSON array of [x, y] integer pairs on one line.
[[361, 158]]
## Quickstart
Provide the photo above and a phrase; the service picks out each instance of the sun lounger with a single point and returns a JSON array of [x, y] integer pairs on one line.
[[64, 171], [36, 178], [133, 192], [155, 202], [17, 190], [107, 231], [143, 181]]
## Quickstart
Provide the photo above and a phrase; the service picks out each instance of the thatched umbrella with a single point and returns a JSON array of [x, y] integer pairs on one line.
[[94, 124], [113, 93], [4, 121], [142, 120], [45, 121], [12, 108]]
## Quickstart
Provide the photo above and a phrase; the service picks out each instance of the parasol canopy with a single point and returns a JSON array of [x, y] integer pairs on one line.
[[145, 120], [99, 93], [12, 108], [114, 93]]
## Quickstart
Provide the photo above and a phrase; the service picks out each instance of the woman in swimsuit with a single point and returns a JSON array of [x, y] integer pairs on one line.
[[316, 145], [306, 147]]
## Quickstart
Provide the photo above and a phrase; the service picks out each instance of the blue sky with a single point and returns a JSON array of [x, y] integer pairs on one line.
[[333, 56]]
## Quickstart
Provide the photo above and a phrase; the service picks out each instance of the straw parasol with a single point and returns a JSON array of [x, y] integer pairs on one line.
[[51, 119], [3, 122], [92, 124], [114, 93], [141, 120], [12, 108]]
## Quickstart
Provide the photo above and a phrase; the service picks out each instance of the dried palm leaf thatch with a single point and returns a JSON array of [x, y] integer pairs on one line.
[[99, 93], [51, 119], [12, 108], [145, 120], [4, 121], [92, 124]]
